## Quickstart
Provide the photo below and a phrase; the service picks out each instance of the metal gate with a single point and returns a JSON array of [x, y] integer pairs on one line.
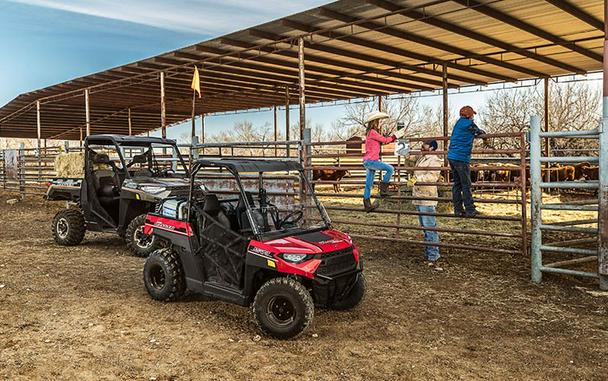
[[570, 246]]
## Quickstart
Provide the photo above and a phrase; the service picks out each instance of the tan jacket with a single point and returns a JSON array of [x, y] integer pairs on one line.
[[426, 176]]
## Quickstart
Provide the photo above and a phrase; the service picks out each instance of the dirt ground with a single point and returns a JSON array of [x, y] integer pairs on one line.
[[82, 313]]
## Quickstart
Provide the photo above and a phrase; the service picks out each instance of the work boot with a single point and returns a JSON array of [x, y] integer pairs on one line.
[[383, 190], [367, 204]]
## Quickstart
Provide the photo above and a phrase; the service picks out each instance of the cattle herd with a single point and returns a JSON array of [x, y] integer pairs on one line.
[[500, 172], [491, 172]]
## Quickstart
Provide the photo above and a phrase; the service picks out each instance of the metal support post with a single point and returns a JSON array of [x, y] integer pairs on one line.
[[536, 198], [163, 111], [276, 132], [38, 133], [288, 151], [445, 121], [602, 254], [305, 161], [21, 169], [130, 122], [87, 112], [546, 117], [302, 86]]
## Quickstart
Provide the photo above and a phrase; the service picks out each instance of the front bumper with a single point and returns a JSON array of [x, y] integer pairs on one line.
[[328, 289]]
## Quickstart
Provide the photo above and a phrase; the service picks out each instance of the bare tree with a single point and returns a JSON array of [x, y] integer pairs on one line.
[[418, 120], [572, 106]]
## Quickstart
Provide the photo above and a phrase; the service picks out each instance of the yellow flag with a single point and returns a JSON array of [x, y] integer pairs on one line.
[[196, 82]]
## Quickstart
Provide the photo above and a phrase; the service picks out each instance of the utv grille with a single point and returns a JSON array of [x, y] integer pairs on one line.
[[337, 262]]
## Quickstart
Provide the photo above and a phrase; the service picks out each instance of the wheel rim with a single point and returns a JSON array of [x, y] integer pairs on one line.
[[157, 277], [63, 228], [141, 239], [281, 311]]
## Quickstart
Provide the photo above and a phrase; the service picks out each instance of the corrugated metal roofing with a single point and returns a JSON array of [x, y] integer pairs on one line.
[[353, 48]]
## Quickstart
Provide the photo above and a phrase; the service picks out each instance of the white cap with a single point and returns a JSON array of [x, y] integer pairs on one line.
[[376, 115]]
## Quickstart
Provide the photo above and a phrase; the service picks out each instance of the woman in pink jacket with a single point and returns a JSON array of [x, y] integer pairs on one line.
[[371, 159]]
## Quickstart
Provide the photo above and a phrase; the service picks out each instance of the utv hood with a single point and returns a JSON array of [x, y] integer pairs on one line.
[[160, 188], [312, 242]]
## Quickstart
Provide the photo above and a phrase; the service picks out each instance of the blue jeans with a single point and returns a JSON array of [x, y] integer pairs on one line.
[[372, 166], [432, 252], [461, 190]]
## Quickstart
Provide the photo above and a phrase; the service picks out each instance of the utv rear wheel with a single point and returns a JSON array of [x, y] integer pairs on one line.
[[164, 276], [283, 308], [69, 227], [139, 243], [353, 297]]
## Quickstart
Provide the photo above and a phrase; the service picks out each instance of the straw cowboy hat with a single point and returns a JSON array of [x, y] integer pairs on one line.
[[376, 115]]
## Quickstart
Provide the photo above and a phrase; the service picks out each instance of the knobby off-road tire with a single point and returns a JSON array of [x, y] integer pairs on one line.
[[140, 244], [354, 296], [164, 276], [69, 227], [283, 308]]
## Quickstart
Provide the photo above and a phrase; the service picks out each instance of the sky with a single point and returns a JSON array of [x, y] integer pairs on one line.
[[45, 42]]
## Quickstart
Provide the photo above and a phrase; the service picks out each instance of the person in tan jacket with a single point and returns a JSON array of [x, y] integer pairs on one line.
[[427, 172]]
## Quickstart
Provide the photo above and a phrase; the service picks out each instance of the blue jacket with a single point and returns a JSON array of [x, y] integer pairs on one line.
[[461, 142]]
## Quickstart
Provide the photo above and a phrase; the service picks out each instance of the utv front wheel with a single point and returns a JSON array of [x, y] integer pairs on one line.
[[354, 295], [137, 241], [69, 227], [164, 276], [283, 308]]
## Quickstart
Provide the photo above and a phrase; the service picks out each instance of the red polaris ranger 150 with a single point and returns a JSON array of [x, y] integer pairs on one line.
[[255, 249]]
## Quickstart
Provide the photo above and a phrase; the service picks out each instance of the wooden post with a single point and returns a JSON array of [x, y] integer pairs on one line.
[[80, 137], [288, 151], [87, 111], [130, 122], [302, 87], [380, 103], [163, 111]]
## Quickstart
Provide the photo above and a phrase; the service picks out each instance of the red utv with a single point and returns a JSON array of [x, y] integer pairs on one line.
[[250, 251]]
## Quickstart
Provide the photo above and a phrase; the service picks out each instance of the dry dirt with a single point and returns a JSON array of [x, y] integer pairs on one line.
[[82, 313]]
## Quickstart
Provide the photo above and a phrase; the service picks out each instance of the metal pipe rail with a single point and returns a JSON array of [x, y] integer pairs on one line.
[[539, 226], [346, 155]]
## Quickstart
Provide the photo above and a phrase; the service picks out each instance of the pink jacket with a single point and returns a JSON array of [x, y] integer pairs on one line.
[[373, 142]]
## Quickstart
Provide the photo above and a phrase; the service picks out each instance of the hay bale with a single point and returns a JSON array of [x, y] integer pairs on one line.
[[70, 164]]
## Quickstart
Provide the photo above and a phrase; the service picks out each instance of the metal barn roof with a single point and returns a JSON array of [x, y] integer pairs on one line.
[[353, 49]]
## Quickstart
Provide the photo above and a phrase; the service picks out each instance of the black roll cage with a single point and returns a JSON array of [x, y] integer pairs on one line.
[[261, 166]]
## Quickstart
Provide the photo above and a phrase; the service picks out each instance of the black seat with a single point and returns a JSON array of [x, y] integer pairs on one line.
[[106, 182], [213, 208]]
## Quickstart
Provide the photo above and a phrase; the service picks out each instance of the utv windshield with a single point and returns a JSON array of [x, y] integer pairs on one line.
[[153, 160], [268, 204]]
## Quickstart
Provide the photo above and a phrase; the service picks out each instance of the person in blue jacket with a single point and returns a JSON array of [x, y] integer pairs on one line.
[[459, 157]]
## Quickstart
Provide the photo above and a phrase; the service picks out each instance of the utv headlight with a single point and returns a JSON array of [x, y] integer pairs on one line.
[[153, 189], [294, 258]]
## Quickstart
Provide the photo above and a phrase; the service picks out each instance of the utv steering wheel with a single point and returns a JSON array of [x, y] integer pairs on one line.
[[163, 172], [292, 218]]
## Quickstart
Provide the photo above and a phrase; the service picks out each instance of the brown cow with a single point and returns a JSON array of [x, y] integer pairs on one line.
[[579, 170], [591, 172], [330, 175]]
